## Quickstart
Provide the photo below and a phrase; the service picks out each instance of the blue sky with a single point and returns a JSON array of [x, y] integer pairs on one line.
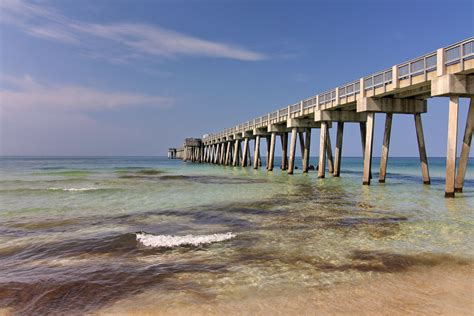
[[136, 77]]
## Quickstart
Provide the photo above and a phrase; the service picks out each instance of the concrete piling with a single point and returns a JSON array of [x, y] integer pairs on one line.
[[329, 153], [466, 147], [245, 156], [422, 149], [284, 150], [272, 151], [338, 153], [322, 149], [306, 150], [256, 155], [385, 147], [291, 164], [452, 144], [369, 142]]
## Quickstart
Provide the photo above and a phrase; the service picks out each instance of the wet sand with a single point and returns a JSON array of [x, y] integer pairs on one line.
[[439, 290]]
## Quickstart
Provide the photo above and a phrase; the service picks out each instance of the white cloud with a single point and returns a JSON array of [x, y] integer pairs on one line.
[[141, 38], [27, 93]]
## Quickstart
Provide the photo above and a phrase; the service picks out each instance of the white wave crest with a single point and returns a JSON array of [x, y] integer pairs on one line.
[[169, 241], [72, 189]]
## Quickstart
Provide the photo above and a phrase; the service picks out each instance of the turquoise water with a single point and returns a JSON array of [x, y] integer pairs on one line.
[[68, 229]]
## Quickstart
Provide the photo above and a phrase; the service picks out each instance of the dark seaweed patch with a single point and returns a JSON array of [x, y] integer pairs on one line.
[[150, 172], [357, 221], [139, 173], [379, 261], [212, 179], [83, 293]]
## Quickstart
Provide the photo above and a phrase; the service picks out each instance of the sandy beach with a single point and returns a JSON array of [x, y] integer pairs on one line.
[[440, 290]]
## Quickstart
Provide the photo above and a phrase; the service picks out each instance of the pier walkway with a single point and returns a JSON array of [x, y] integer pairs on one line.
[[400, 89]]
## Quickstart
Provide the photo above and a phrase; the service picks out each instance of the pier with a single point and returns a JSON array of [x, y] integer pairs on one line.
[[402, 89]]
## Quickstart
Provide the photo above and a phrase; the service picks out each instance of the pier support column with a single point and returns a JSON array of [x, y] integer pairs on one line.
[[422, 149], [363, 129], [239, 152], [291, 164], [209, 153], [239, 162], [249, 157], [222, 161], [338, 153], [236, 152], [216, 153], [267, 162], [222, 154], [466, 147], [385, 147], [272, 152], [451, 149], [329, 153], [284, 151], [322, 149], [301, 138], [256, 154], [306, 151], [244, 156], [227, 154], [369, 142]]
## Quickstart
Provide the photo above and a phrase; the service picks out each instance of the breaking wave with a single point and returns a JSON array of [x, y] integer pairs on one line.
[[169, 241]]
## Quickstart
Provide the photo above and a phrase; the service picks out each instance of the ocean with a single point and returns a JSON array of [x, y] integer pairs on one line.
[[105, 234]]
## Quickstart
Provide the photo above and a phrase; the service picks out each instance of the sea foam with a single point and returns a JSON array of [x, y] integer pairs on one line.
[[169, 241], [73, 189]]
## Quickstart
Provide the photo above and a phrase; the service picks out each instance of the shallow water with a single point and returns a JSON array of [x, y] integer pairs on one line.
[[69, 227]]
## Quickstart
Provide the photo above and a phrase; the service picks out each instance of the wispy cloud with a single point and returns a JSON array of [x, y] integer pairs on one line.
[[51, 33], [140, 38], [25, 93]]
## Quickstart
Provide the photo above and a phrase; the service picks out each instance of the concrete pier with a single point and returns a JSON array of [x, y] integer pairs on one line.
[[401, 89]]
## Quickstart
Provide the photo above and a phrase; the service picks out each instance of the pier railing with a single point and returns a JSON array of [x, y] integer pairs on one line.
[[457, 53]]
